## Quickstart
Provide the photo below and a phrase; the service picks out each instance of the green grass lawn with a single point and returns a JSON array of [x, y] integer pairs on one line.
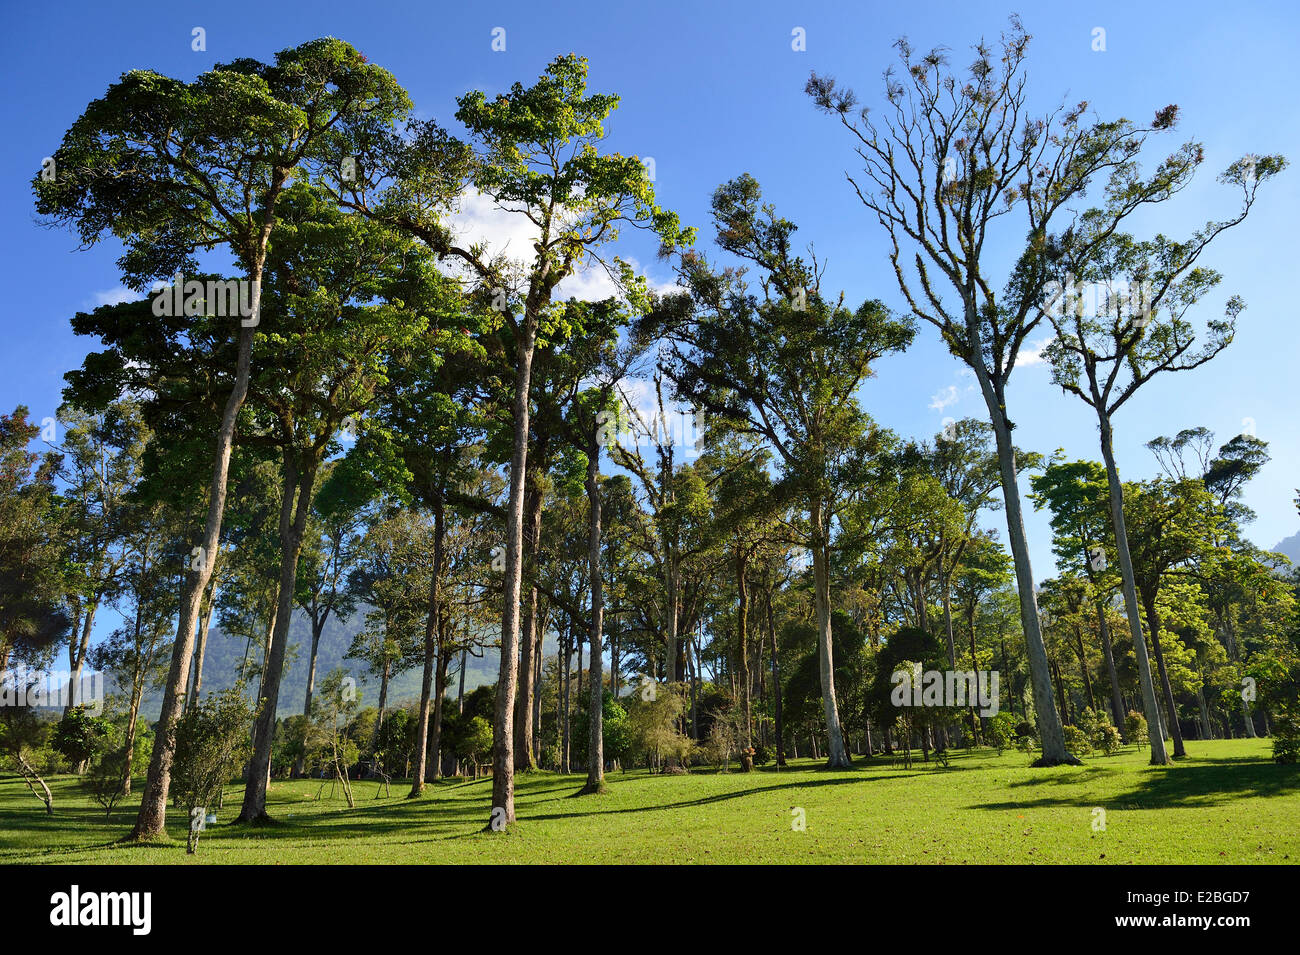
[[1226, 803]]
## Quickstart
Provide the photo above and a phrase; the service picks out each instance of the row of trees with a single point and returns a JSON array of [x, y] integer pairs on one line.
[[414, 425]]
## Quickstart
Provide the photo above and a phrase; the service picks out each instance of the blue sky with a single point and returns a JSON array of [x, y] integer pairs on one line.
[[713, 90]]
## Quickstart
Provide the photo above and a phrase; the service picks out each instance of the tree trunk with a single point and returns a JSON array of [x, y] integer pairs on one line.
[[205, 622], [1116, 703], [1049, 722], [434, 762], [317, 629], [528, 658], [503, 729], [1159, 756], [293, 520], [838, 757], [596, 711], [77, 655], [776, 684], [152, 817], [742, 635], [1083, 670], [1153, 620], [29, 774], [431, 654]]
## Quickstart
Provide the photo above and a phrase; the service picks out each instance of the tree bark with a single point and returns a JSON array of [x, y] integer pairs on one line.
[[596, 710], [837, 757], [503, 757], [776, 684], [1159, 756], [431, 654], [533, 500], [205, 622], [1116, 703], [293, 520], [151, 820], [1049, 722], [1153, 620]]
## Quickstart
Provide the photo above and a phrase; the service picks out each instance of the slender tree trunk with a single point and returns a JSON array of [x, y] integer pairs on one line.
[[317, 629], [1153, 620], [742, 628], [434, 763], [137, 692], [1049, 722], [77, 655], [293, 520], [1159, 756], [205, 623], [31, 776], [536, 742], [533, 500], [152, 817], [384, 677], [565, 705], [776, 684], [503, 756], [431, 655], [945, 584], [1116, 703], [460, 691], [1083, 670], [596, 708], [838, 757]]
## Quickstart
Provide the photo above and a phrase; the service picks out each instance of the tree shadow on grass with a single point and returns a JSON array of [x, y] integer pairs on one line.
[[1197, 783]]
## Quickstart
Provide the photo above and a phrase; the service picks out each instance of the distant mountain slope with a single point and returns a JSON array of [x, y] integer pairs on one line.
[[224, 658], [1289, 547]]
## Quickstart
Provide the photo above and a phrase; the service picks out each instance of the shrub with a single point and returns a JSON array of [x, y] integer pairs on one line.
[[1025, 729], [1135, 727], [1000, 731], [1110, 742], [1286, 739], [78, 736], [1101, 732], [1076, 740], [104, 781]]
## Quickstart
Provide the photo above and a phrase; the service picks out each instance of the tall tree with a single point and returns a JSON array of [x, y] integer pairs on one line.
[[171, 168], [784, 366], [532, 152], [952, 156], [1119, 308]]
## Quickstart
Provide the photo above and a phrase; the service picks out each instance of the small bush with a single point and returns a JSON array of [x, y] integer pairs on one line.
[[1111, 742], [1286, 739], [1135, 728], [1000, 731], [1076, 740], [1101, 732]]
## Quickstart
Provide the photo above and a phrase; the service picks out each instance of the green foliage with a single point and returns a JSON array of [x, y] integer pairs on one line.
[[1076, 740], [1101, 733], [1000, 730], [79, 737], [1135, 728], [653, 719], [212, 742], [616, 733], [104, 781]]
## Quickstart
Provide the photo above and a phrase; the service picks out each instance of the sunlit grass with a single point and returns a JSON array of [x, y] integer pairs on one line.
[[1226, 803]]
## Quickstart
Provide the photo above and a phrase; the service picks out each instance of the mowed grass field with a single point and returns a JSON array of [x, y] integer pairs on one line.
[[1226, 803]]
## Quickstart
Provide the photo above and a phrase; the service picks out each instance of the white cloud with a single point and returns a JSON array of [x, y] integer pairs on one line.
[[945, 397], [1031, 353], [508, 232], [115, 296]]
